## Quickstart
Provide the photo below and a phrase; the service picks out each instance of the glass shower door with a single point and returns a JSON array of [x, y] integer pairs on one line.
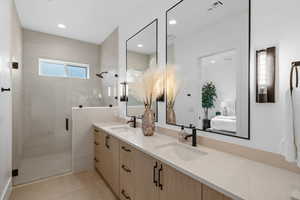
[[47, 138]]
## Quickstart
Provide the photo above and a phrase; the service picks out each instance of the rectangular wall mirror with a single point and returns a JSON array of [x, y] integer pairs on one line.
[[208, 46], [141, 53]]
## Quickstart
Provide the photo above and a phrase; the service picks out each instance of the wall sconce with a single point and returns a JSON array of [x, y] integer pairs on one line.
[[265, 75], [295, 70], [124, 92]]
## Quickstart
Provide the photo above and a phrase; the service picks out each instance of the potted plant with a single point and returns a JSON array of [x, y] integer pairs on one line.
[[209, 96]]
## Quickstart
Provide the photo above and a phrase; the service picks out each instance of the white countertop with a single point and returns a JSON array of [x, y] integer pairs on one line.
[[234, 176]]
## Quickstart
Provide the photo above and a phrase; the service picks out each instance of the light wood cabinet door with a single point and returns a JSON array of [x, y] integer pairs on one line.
[[106, 160], [127, 184], [127, 172], [177, 186], [210, 194], [111, 162], [145, 177], [115, 159], [98, 149]]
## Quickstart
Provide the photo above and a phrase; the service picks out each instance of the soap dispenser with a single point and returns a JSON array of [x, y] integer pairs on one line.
[[181, 134]]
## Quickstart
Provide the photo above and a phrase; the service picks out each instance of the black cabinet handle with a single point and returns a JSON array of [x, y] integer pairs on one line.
[[125, 149], [126, 169], [5, 89], [96, 143], [125, 195], [96, 160], [154, 174], [106, 141], [159, 174], [67, 124]]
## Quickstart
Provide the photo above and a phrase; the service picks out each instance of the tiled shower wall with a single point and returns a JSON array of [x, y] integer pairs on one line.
[[48, 100], [109, 61]]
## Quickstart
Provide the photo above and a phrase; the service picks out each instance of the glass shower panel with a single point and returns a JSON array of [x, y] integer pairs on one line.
[[46, 141]]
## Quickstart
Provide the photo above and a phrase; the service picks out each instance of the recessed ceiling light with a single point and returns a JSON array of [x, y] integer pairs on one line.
[[140, 45], [61, 26], [172, 22], [212, 61]]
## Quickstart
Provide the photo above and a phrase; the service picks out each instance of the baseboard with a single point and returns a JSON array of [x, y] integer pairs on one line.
[[7, 190]]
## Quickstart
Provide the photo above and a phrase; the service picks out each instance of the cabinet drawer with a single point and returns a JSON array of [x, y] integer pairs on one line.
[[127, 186], [126, 154], [125, 195], [97, 135], [98, 152], [97, 147], [97, 163]]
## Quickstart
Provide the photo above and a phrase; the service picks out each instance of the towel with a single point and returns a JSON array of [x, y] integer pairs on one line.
[[291, 140], [296, 114]]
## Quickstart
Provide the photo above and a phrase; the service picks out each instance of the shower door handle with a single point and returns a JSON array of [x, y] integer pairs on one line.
[[5, 89], [67, 124]]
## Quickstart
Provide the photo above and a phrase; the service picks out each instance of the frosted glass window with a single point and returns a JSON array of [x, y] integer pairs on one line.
[[55, 68], [52, 69], [77, 72]]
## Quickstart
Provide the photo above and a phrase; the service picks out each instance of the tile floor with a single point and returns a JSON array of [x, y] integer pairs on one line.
[[44, 166], [81, 186]]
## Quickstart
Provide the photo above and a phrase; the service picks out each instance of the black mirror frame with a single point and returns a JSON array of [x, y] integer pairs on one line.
[[249, 76], [156, 36]]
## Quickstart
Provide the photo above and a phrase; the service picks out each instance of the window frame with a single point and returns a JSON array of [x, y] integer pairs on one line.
[[66, 64]]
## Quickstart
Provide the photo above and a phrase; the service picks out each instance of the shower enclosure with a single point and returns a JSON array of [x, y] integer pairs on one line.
[[45, 147]]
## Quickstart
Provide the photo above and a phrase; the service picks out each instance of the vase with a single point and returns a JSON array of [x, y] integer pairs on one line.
[[148, 122], [206, 124], [171, 116]]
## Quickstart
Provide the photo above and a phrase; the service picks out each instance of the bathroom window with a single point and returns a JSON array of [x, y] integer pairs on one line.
[[55, 68]]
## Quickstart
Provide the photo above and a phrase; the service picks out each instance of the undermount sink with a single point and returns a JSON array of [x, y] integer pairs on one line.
[[121, 129], [180, 151]]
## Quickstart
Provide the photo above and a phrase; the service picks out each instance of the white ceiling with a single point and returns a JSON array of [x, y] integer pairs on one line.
[[147, 37], [86, 20], [195, 15]]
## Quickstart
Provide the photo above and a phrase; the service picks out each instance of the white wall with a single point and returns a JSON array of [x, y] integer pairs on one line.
[[82, 136], [273, 22], [7, 38]]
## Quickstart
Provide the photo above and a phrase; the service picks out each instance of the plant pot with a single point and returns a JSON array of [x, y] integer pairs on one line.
[[171, 116], [206, 124], [148, 122]]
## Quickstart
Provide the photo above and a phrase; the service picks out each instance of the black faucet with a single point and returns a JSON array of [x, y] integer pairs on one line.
[[133, 121], [193, 135]]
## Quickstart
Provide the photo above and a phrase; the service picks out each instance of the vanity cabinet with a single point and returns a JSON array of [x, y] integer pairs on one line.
[[134, 175], [210, 194], [176, 186], [107, 158], [156, 180]]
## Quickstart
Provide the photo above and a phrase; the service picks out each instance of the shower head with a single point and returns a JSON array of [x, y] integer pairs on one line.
[[101, 74]]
